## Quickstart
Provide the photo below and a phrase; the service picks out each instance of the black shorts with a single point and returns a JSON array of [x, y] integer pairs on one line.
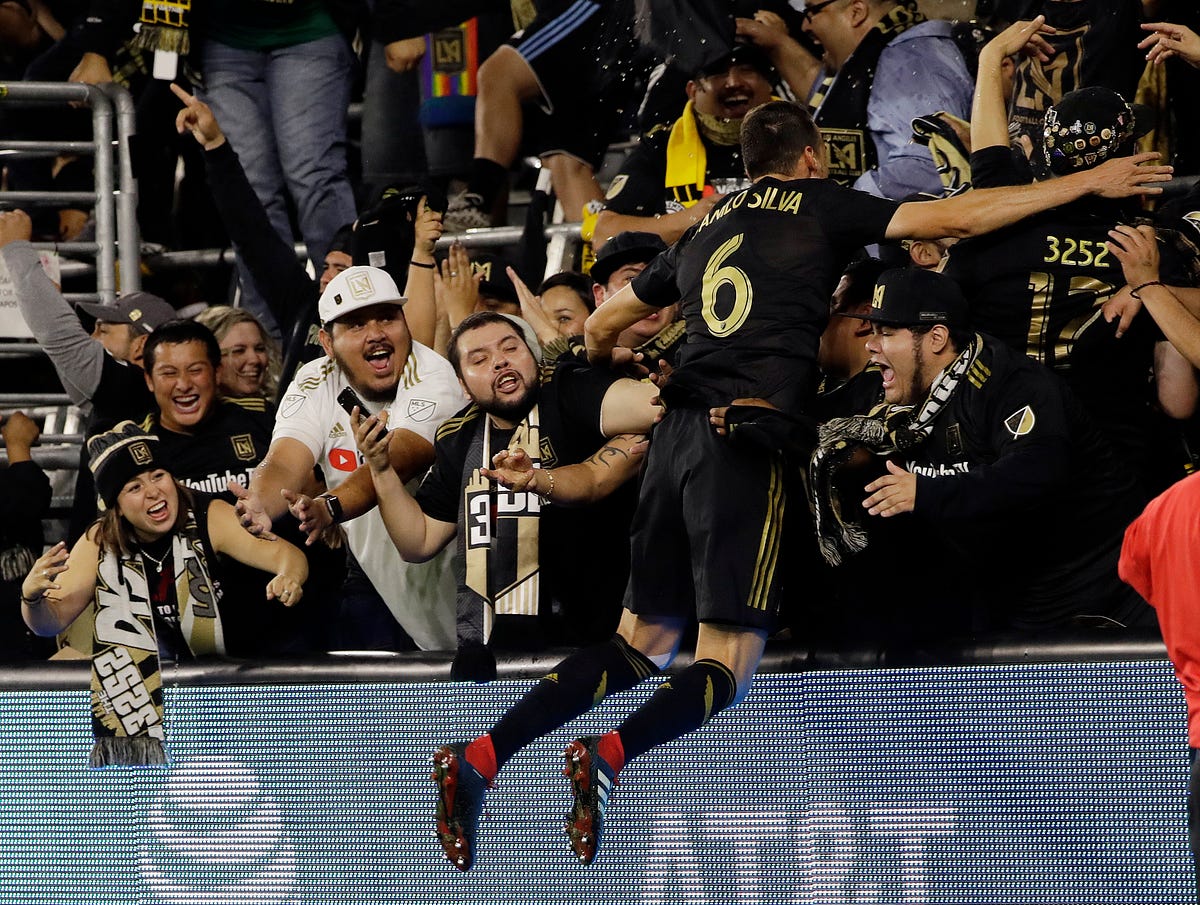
[[585, 76], [708, 527]]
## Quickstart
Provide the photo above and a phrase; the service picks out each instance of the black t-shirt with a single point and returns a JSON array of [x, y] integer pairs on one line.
[[1016, 480], [1039, 286], [640, 189], [755, 277], [583, 550], [228, 444]]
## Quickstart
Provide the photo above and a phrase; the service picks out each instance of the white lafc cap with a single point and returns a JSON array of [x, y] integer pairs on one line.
[[355, 288]]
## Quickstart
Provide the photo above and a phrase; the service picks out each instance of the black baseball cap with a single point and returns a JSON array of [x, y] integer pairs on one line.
[[141, 310], [494, 270], [626, 248], [911, 297], [740, 54]]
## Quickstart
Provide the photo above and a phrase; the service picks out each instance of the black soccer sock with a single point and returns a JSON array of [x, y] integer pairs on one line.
[[682, 703], [487, 180], [577, 685]]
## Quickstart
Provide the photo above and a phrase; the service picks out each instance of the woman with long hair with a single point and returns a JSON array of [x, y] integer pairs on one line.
[[148, 568]]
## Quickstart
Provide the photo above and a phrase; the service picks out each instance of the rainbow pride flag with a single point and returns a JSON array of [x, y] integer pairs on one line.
[[449, 73]]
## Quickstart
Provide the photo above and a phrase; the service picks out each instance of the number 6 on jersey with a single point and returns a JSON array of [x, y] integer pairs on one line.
[[717, 274]]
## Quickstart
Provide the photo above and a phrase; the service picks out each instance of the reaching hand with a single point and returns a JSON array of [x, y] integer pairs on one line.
[[531, 310], [457, 285], [428, 229], [893, 494], [1123, 307], [285, 589], [313, 516], [512, 469], [405, 54], [1124, 177], [371, 435], [765, 30], [1024, 37], [46, 568], [15, 226], [251, 513], [1137, 250], [717, 416], [93, 69], [197, 117], [1168, 41]]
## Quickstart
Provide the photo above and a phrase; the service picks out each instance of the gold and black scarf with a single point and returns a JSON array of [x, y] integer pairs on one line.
[[127, 699], [885, 430], [163, 26], [498, 538]]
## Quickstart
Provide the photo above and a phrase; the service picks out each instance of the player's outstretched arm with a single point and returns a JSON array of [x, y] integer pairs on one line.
[[984, 210], [604, 325]]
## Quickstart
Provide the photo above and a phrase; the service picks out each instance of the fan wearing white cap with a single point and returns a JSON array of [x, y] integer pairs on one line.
[[371, 363]]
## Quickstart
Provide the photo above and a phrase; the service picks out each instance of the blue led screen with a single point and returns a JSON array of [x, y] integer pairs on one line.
[[994, 784]]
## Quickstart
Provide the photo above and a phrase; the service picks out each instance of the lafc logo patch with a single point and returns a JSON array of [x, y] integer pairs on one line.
[[1020, 422], [360, 286], [140, 453], [614, 187], [846, 152], [243, 447]]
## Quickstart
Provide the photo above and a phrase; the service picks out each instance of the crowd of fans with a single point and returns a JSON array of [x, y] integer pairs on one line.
[[306, 411]]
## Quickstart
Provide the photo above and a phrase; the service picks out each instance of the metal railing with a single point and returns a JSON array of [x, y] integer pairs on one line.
[[115, 196]]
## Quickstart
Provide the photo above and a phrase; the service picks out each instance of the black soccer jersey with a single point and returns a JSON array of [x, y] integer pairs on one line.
[[640, 189], [1039, 287], [1017, 480], [755, 277], [227, 445]]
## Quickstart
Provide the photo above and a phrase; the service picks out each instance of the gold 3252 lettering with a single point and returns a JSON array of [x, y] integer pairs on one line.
[[1075, 252]]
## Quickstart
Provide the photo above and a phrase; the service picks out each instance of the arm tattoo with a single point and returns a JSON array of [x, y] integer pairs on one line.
[[608, 452]]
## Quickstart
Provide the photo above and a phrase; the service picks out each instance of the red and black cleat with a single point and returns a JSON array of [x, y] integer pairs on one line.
[[592, 780], [460, 802]]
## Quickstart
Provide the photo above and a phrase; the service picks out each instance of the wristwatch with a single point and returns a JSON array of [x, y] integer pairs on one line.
[[334, 505]]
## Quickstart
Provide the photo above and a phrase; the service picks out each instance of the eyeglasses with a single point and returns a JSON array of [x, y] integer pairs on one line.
[[811, 9]]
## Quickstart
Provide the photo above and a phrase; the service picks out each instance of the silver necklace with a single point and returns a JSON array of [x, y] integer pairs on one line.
[[158, 562]]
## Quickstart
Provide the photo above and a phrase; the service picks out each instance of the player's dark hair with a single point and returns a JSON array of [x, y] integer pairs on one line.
[[861, 275], [177, 332], [774, 137], [474, 322], [579, 283]]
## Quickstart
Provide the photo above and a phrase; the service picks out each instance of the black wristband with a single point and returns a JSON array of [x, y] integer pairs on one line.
[[1136, 289], [419, 264], [334, 505]]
